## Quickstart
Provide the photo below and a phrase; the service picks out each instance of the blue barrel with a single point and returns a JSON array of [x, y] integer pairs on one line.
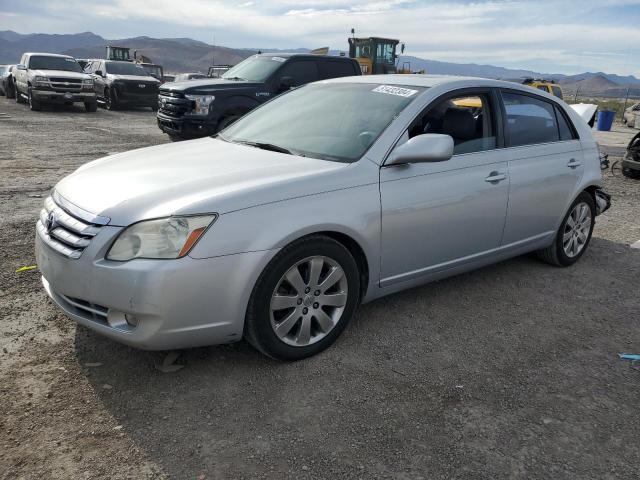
[[605, 120]]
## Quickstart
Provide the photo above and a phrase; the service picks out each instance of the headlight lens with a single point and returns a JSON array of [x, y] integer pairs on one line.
[[171, 237], [41, 80], [87, 83], [202, 103]]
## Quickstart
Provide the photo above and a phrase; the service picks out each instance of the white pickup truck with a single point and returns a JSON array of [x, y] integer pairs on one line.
[[47, 78]]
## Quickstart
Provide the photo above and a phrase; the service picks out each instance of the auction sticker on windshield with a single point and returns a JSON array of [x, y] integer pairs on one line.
[[390, 90]]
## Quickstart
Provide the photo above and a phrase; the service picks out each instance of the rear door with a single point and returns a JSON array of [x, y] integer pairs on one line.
[[329, 68], [545, 165], [301, 71], [438, 215]]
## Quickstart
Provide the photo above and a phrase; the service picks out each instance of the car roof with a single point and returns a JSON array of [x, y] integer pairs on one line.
[[428, 81], [48, 55], [303, 55]]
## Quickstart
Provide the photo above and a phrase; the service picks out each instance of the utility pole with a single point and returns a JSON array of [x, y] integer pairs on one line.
[[213, 51]]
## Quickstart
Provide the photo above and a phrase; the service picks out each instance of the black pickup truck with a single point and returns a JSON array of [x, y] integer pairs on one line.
[[203, 107]]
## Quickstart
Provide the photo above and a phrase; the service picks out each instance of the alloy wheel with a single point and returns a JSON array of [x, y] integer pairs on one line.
[[576, 230], [308, 301]]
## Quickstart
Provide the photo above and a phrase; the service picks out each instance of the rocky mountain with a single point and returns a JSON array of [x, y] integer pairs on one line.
[[188, 55]]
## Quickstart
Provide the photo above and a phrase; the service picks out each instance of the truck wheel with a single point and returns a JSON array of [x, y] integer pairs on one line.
[[34, 104], [91, 106], [18, 96], [110, 99]]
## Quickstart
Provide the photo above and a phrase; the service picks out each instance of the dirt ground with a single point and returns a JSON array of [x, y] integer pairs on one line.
[[511, 371]]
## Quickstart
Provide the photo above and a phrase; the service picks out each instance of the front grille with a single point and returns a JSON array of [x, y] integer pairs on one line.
[[147, 88], [62, 80], [173, 104], [90, 311], [65, 84], [63, 232]]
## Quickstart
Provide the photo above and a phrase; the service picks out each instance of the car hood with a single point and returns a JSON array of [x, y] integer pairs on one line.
[[59, 74], [210, 85], [197, 176], [135, 78]]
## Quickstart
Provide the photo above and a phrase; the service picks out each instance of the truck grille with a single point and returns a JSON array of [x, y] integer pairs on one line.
[[141, 88], [173, 104], [63, 232], [65, 84]]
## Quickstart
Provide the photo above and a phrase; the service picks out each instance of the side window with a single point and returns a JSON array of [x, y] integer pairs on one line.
[[557, 91], [468, 119], [302, 71], [88, 67], [543, 88], [529, 120], [335, 69], [566, 132]]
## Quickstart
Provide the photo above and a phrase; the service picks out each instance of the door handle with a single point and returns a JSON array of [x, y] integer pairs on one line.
[[495, 177], [573, 163]]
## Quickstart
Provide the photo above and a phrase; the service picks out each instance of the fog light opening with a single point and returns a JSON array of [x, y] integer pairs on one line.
[[132, 320]]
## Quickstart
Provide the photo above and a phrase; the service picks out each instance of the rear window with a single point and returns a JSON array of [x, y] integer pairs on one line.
[[529, 120], [335, 69], [566, 132], [557, 91]]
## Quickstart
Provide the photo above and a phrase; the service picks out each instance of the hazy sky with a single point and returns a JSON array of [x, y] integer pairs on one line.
[[548, 36]]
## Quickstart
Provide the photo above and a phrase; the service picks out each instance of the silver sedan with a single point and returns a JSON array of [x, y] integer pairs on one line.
[[332, 195]]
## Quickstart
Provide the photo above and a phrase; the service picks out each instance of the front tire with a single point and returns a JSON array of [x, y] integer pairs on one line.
[[34, 104], [18, 97], [226, 121], [303, 300], [574, 234], [110, 99]]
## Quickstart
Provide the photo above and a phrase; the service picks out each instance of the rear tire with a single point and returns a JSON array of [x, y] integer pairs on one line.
[[574, 234], [629, 173], [292, 320]]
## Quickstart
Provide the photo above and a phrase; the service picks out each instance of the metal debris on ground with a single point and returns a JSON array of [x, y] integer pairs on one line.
[[629, 356], [27, 268], [168, 365]]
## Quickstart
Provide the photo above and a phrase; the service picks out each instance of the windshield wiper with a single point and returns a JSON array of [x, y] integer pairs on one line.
[[268, 146]]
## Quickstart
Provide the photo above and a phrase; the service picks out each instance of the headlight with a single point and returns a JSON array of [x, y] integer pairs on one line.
[[41, 80], [171, 237], [87, 83], [202, 103]]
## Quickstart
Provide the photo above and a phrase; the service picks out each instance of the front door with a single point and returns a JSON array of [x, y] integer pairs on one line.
[[438, 215]]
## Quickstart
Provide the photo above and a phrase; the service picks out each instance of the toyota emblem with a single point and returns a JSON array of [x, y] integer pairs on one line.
[[50, 222]]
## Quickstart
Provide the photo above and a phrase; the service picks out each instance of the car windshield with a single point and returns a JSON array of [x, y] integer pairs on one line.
[[66, 64], [125, 68], [255, 69], [331, 121], [153, 70]]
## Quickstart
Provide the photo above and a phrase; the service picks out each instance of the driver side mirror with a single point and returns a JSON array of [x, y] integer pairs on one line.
[[98, 72], [429, 147], [21, 67], [286, 83]]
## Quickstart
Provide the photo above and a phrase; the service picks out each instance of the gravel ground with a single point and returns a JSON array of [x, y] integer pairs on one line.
[[510, 371]]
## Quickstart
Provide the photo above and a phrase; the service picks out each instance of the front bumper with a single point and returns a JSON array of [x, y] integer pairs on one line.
[[186, 126], [176, 303], [63, 97]]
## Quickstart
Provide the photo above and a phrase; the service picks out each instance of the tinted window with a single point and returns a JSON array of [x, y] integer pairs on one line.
[[255, 69], [125, 68], [566, 132], [557, 91], [468, 119], [66, 64], [302, 71], [543, 88], [529, 120], [333, 69]]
